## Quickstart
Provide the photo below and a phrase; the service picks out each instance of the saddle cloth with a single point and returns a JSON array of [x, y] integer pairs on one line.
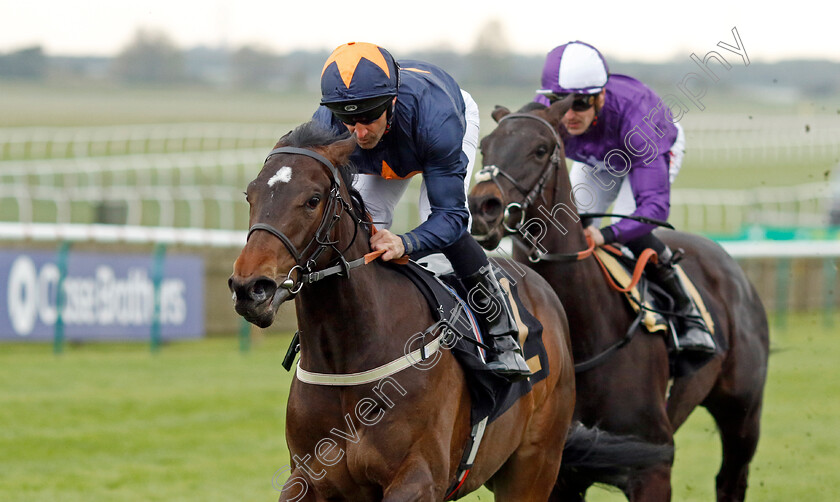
[[491, 394], [620, 266]]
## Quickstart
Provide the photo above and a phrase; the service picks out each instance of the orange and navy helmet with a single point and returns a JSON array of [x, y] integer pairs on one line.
[[358, 77]]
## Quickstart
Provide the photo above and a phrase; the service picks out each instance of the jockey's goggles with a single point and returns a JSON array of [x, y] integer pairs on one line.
[[581, 103], [359, 113]]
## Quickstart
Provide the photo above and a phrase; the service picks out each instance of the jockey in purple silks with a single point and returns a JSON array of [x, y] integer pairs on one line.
[[626, 150], [408, 118]]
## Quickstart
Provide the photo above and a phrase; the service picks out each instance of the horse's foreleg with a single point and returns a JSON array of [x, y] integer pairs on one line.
[[413, 482], [529, 475], [565, 491], [296, 488]]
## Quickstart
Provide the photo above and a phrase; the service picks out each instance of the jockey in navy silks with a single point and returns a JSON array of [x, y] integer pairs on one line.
[[627, 150], [409, 118]]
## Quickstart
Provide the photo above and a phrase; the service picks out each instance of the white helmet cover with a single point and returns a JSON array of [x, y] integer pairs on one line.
[[575, 67]]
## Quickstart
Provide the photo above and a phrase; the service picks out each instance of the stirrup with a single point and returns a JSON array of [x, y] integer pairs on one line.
[[507, 360], [694, 335]]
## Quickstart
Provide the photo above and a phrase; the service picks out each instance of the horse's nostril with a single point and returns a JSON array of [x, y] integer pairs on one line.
[[262, 290], [255, 291], [491, 208]]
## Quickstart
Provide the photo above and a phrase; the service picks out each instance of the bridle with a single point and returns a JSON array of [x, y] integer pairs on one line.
[[306, 260], [335, 206], [492, 173]]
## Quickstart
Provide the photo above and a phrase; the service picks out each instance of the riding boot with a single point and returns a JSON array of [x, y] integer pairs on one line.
[[692, 333], [495, 315]]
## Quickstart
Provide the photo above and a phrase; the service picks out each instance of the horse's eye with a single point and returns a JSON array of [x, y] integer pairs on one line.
[[541, 151], [313, 202]]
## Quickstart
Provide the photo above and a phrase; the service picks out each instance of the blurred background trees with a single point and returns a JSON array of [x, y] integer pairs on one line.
[[29, 63], [150, 57], [153, 58]]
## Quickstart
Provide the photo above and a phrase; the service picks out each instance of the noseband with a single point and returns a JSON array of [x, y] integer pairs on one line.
[[335, 206], [492, 173]]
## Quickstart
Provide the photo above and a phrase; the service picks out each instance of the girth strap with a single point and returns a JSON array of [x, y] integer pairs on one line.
[[375, 374]]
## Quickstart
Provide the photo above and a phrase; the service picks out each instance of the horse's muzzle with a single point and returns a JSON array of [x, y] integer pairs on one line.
[[487, 212], [257, 299]]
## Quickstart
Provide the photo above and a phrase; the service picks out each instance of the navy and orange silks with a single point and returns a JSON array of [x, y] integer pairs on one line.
[[425, 138]]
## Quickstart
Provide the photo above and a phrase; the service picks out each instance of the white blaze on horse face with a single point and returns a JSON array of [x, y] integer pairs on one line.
[[284, 175]]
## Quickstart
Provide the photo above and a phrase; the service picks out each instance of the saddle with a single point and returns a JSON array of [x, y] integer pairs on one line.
[[491, 394], [651, 303]]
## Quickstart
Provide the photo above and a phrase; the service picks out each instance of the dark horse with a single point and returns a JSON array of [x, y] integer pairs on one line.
[[400, 437], [629, 392]]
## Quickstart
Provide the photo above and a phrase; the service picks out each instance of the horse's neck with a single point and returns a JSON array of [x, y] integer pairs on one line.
[[343, 320], [564, 232], [580, 285]]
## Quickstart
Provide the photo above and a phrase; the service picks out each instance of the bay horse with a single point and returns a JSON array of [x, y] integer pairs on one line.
[[305, 222], [626, 391], [400, 437]]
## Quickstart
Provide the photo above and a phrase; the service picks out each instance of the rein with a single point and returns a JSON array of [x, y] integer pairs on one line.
[[648, 255], [557, 257]]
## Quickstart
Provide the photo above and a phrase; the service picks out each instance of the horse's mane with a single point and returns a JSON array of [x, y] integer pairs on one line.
[[313, 134]]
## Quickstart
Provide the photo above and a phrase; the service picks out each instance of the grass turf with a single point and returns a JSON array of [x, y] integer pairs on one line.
[[202, 421], [198, 421]]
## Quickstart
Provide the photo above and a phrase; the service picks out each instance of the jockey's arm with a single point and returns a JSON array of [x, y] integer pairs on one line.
[[449, 214], [652, 192], [444, 173]]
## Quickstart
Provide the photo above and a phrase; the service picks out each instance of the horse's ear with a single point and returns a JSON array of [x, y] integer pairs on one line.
[[339, 152], [559, 108], [499, 112], [281, 142]]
